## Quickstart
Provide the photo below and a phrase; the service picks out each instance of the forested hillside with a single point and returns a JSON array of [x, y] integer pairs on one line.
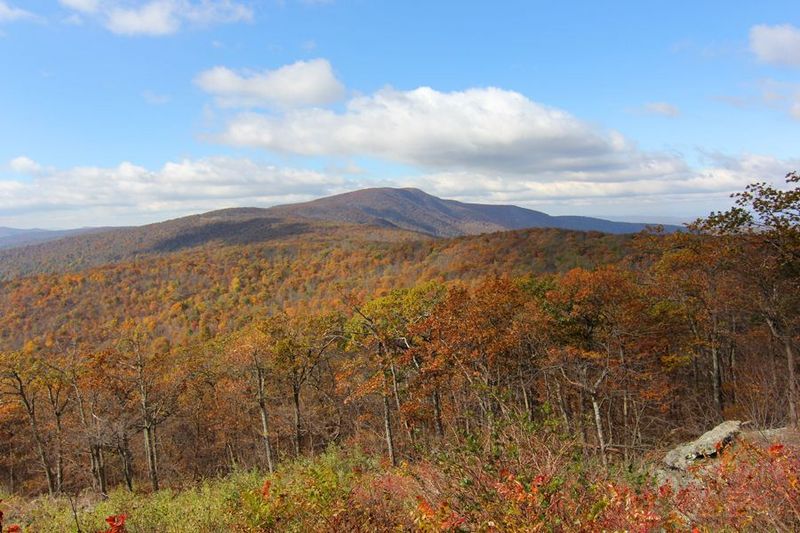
[[415, 210], [12, 237], [391, 214], [345, 377]]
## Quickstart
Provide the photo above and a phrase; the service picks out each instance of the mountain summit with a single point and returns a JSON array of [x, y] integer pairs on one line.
[[416, 210]]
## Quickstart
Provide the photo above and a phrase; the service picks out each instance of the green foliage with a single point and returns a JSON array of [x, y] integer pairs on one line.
[[751, 488], [204, 507], [307, 494]]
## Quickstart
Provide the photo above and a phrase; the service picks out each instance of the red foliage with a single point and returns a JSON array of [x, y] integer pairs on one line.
[[116, 524], [425, 508], [14, 528]]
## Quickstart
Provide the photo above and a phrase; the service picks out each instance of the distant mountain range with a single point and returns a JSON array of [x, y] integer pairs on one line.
[[397, 213], [12, 237], [415, 210]]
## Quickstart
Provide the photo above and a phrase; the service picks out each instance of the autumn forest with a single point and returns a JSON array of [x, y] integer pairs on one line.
[[348, 377]]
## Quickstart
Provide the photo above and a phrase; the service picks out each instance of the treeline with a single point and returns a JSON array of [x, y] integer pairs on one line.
[[689, 329]]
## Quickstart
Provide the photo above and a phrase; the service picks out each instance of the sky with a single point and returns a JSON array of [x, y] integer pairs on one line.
[[118, 112]]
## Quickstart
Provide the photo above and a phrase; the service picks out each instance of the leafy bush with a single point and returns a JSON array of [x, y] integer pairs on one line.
[[543, 485]]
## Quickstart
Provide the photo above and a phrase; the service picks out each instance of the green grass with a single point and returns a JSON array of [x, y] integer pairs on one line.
[[303, 493]]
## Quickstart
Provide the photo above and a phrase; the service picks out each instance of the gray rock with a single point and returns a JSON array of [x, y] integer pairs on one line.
[[705, 447], [700, 452]]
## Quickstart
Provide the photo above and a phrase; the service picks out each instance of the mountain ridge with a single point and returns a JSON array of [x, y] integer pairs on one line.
[[15, 237], [376, 213], [415, 210]]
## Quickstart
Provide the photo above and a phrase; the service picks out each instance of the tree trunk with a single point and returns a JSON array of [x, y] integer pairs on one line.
[[732, 364], [150, 456], [59, 454], [124, 451], [96, 461], [148, 423], [231, 456], [716, 379], [598, 424], [98, 469], [45, 462], [437, 415], [563, 407], [786, 340], [787, 345], [396, 391], [387, 421], [526, 401], [30, 410], [262, 408], [296, 405]]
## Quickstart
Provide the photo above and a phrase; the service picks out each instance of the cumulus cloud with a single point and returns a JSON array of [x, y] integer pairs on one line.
[[486, 145], [84, 6], [9, 13], [664, 109], [160, 17], [304, 83], [24, 165], [777, 45], [478, 129], [131, 194], [154, 18], [686, 195], [96, 195]]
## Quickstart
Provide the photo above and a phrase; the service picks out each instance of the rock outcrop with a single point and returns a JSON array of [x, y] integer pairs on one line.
[[678, 461]]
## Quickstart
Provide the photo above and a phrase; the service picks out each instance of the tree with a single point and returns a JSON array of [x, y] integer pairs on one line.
[[381, 330], [20, 380], [762, 232], [154, 376], [253, 351], [301, 344]]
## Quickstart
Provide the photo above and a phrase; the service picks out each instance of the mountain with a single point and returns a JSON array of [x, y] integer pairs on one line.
[[415, 210], [225, 227], [12, 237], [379, 214]]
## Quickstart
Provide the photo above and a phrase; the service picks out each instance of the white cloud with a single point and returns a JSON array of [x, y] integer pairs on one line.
[[154, 18], [160, 17], [664, 109], [794, 110], [302, 83], [695, 192], [782, 96], [96, 195], [24, 165], [9, 13], [131, 194], [73, 20], [777, 45], [487, 130], [209, 12], [84, 6]]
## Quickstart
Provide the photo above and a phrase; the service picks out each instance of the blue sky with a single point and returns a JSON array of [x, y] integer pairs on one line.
[[132, 111]]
